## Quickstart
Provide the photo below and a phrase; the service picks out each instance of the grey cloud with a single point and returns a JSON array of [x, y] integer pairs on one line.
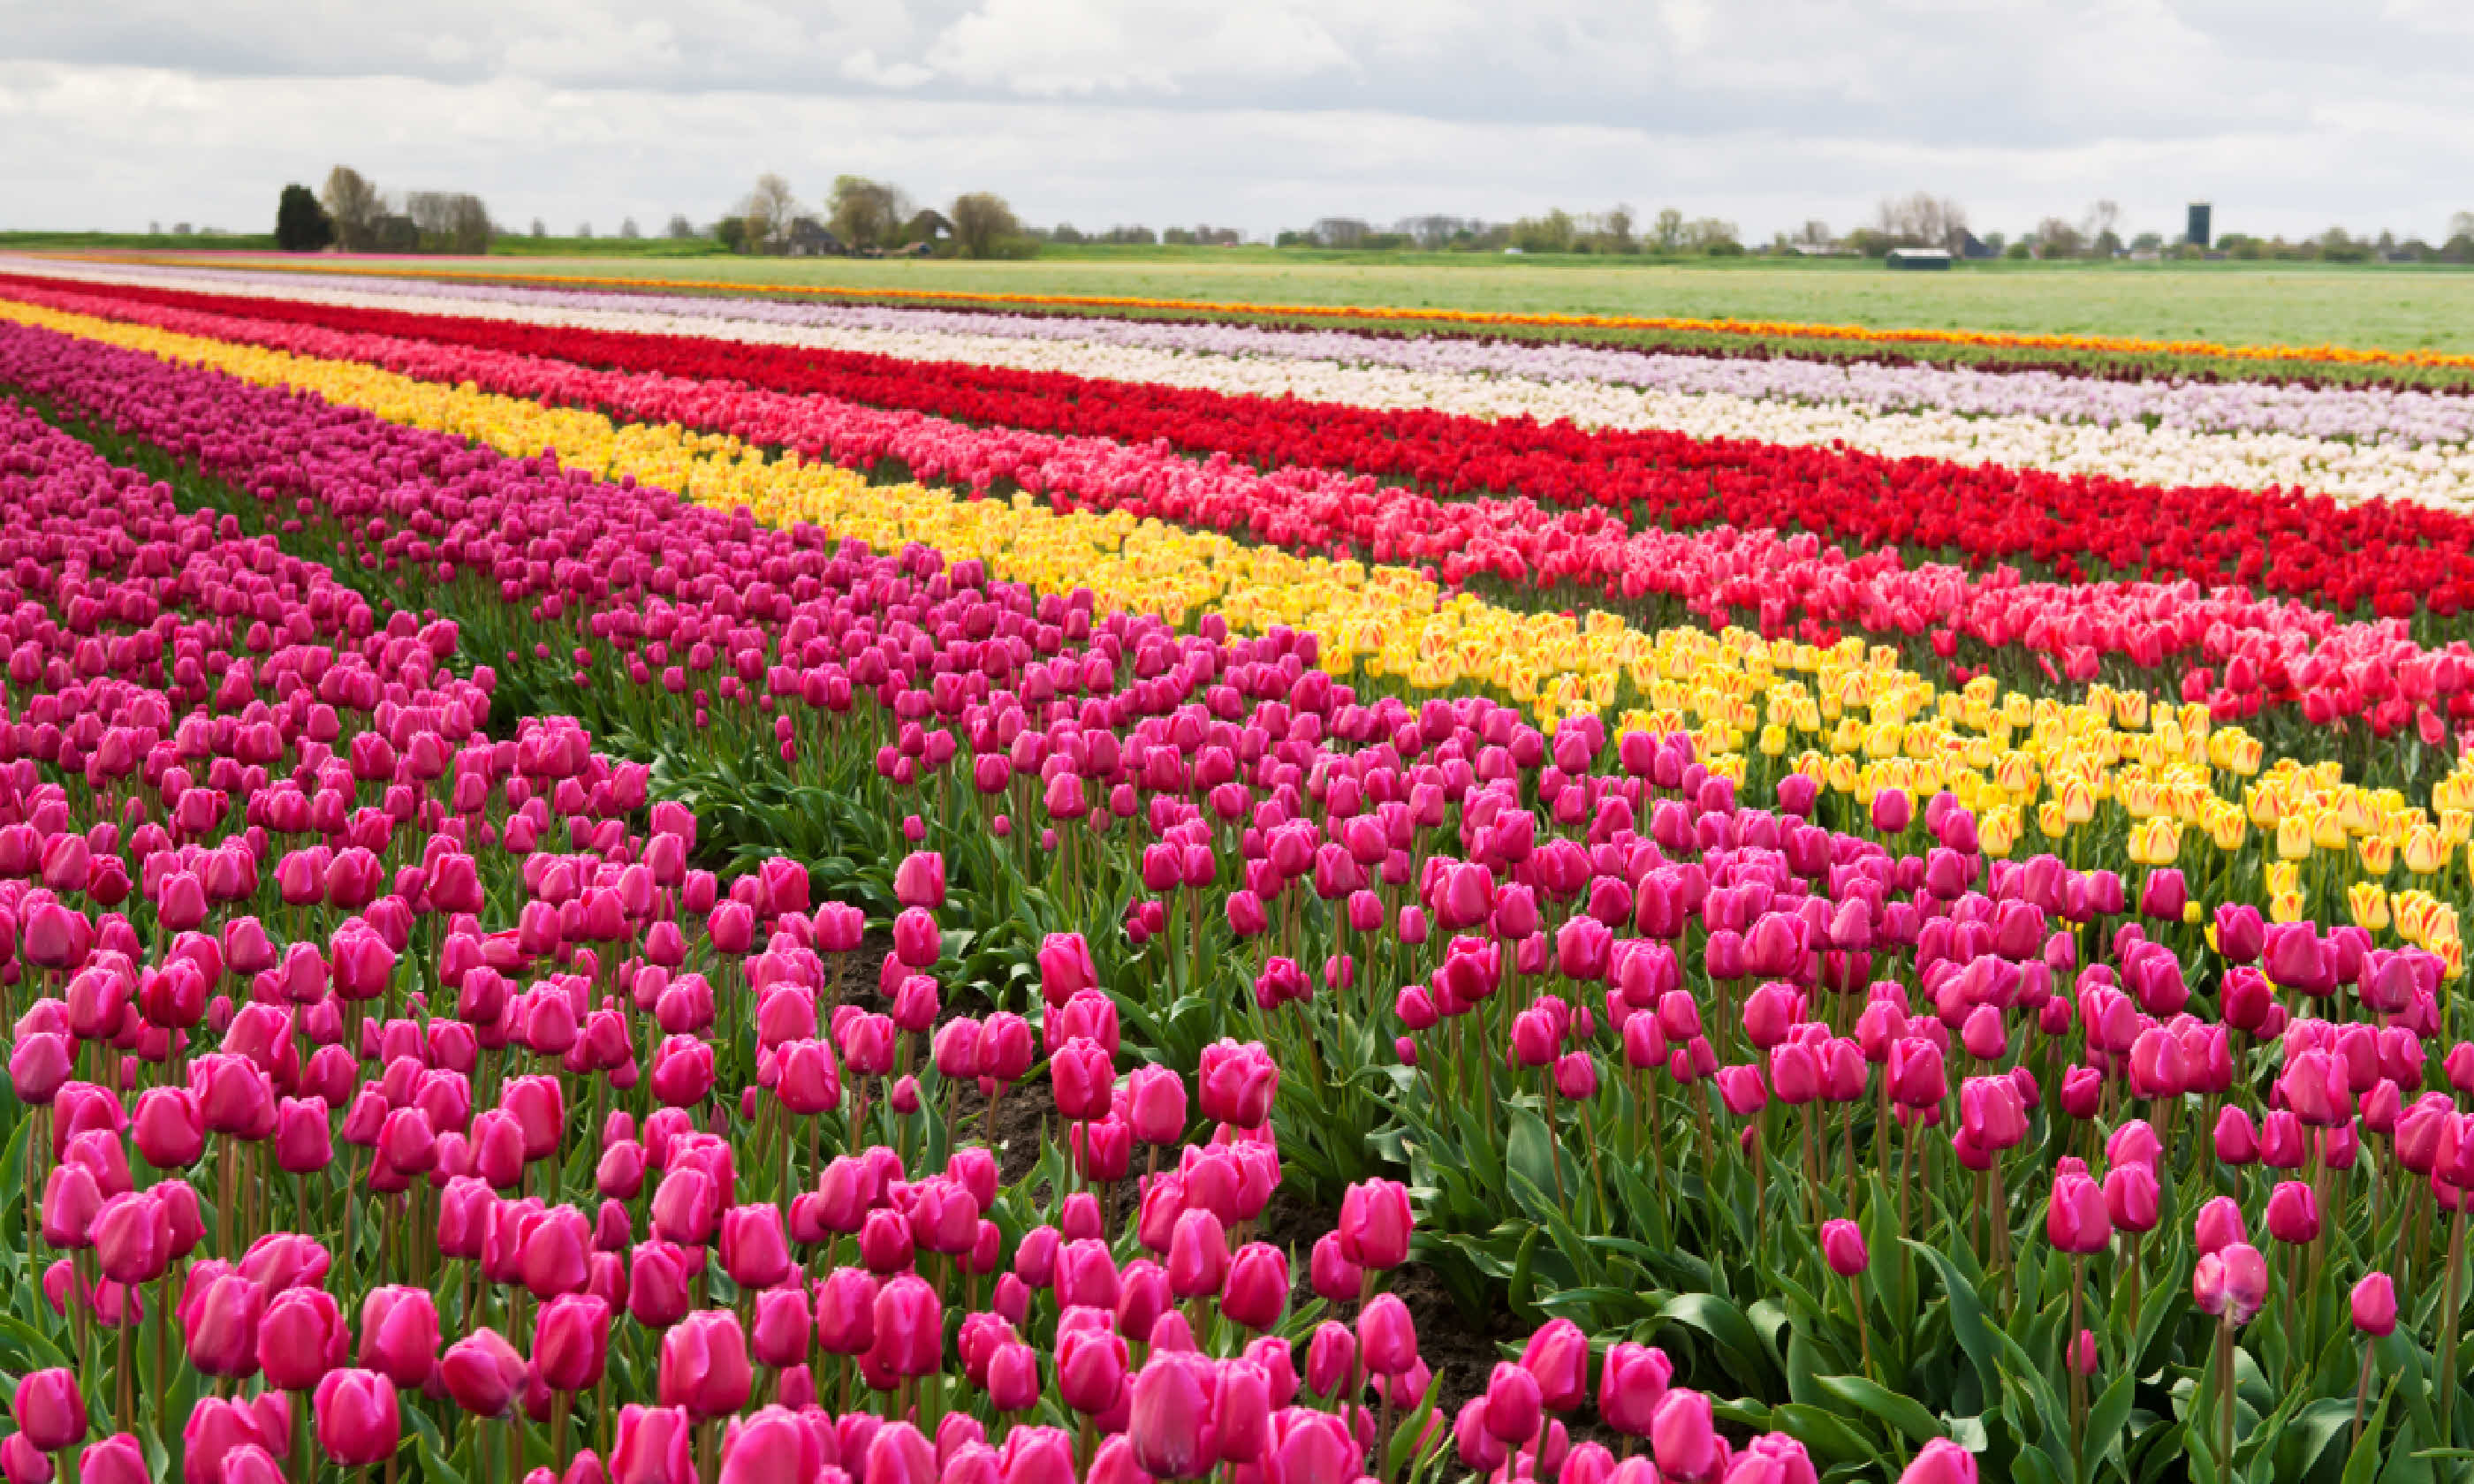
[[1264, 115]]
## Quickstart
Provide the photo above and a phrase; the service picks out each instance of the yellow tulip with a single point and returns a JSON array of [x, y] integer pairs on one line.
[[2292, 837], [2369, 905]]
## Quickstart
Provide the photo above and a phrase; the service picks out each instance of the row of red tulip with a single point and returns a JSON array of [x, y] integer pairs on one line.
[[2396, 558]]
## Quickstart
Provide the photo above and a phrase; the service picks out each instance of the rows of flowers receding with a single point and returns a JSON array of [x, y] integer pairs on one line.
[[2350, 443], [2396, 556], [1760, 329], [2396, 414], [309, 1005], [2256, 655], [2125, 367], [1499, 876], [2324, 847]]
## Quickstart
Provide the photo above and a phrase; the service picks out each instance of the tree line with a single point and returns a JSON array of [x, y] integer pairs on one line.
[[1616, 232], [875, 218], [868, 217], [858, 216], [352, 213]]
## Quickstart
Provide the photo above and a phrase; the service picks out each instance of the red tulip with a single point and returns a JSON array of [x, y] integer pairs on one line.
[[653, 1446], [300, 1337], [49, 1409], [357, 1422], [704, 1364], [400, 1334], [483, 1373]]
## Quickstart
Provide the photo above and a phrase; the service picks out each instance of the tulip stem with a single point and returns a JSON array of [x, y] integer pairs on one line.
[[2448, 1317], [162, 1376], [128, 1390], [2362, 1396], [2226, 1394], [1554, 1144], [2069, 1362], [1597, 1170]]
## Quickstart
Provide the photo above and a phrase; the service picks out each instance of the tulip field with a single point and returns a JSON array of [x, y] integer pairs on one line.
[[610, 885]]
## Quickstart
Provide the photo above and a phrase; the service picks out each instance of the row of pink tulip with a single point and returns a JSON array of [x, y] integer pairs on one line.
[[1355, 828], [2237, 651]]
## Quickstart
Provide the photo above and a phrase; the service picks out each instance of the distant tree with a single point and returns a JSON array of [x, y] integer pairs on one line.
[[1342, 231], [1177, 236], [1666, 232], [1066, 233], [866, 213], [766, 214], [300, 223], [680, 229], [731, 232], [449, 220], [1616, 231], [1708, 234], [540, 231], [1433, 233], [471, 229], [1552, 232], [1995, 242], [983, 223], [2147, 242], [2103, 220], [628, 230], [353, 206], [1137, 235], [1924, 220], [2057, 238], [2335, 247], [1813, 233]]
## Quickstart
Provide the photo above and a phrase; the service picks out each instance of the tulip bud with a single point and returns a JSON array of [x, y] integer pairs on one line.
[[1842, 1247]]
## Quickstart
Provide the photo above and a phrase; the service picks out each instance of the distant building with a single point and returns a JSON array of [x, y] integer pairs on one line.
[[1972, 246], [2195, 233], [809, 237], [1927, 259]]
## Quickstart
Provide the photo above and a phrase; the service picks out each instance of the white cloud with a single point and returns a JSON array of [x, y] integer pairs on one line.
[[2288, 113], [1080, 48], [865, 66]]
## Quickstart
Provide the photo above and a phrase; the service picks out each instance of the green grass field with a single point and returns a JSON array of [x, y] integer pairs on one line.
[[2386, 306]]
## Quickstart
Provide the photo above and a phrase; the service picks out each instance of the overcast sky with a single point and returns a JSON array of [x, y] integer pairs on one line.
[[2291, 115]]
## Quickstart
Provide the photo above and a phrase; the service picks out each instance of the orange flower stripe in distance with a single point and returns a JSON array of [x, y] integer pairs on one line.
[[1773, 330]]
